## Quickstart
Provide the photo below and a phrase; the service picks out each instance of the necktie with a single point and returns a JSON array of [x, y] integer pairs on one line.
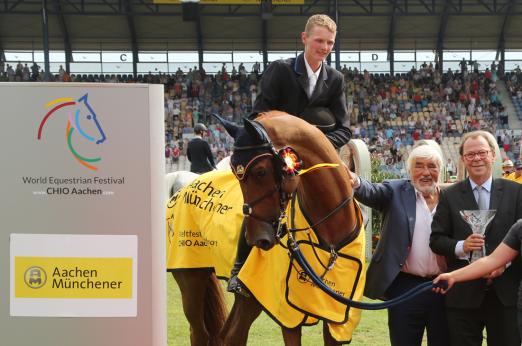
[[313, 82], [482, 199]]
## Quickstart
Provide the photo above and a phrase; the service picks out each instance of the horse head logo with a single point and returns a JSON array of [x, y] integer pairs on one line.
[[82, 118]]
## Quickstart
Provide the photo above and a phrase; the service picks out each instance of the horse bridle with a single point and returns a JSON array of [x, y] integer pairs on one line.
[[284, 196], [248, 207]]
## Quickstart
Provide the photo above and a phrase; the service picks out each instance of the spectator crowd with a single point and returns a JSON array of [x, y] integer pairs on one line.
[[389, 113]]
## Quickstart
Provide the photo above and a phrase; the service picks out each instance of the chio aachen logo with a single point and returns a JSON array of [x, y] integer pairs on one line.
[[82, 118], [35, 277]]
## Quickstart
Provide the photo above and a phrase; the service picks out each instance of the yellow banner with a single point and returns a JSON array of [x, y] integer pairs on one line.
[[73, 277], [232, 2]]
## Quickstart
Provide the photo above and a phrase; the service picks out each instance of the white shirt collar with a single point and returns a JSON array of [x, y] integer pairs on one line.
[[486, 185], [309, 69]]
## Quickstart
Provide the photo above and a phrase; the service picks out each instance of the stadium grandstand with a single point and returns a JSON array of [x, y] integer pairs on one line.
[[414, 69]]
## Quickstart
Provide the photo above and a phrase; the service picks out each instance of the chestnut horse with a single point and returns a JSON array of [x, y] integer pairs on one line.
[[268, 180]]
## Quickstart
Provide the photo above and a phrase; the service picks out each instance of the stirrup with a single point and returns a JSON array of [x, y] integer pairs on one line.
[[235, 286]]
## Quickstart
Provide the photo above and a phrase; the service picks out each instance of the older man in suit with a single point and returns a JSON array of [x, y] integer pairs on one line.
[[403, 258], [489, 302]]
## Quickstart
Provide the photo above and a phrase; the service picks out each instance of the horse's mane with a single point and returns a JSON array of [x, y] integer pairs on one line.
[[285, 129]]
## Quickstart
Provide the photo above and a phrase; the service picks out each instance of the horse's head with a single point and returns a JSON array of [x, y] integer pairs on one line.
[[264, 183], [86, 122]]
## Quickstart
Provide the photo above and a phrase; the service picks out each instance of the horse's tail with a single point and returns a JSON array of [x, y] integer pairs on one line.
[[215, 310]]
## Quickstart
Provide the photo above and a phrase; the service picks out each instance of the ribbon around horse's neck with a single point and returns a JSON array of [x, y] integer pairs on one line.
[[317, 166]]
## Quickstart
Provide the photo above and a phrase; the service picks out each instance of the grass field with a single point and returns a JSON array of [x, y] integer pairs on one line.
[[372, 331]]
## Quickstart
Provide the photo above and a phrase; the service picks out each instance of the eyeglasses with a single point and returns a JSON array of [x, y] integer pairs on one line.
[[482, 154]]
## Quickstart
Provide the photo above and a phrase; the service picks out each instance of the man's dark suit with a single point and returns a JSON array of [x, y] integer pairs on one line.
[[284, 87], [448, 228], [200, 156], [396, 200]]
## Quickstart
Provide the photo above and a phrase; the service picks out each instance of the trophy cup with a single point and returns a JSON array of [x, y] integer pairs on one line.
[[478, 221]]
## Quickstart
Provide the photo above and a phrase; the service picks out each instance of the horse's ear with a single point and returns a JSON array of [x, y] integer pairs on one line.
[[232, 129], [256, 130]]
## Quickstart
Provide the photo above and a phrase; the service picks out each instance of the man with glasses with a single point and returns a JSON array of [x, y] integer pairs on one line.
[[489, 302]]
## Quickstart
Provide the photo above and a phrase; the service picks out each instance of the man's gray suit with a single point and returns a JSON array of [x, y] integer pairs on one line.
[[396, 200]]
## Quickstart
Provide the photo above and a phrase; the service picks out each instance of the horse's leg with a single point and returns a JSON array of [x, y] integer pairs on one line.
[[193, 284], [244, 312], [292, 336], [328, 338]]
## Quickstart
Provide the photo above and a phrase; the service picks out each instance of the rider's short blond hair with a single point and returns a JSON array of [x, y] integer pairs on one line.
[[320, 20]]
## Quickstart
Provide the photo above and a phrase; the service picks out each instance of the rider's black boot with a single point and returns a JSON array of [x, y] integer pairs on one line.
[[243, 249]]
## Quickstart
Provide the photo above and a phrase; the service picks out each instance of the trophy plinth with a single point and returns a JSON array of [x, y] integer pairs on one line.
[[478, 221]]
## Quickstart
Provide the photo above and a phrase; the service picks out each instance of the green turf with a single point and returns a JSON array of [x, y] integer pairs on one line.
[[372, 331]]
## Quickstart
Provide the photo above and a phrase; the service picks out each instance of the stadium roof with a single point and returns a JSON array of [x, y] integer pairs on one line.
[[363, 25]]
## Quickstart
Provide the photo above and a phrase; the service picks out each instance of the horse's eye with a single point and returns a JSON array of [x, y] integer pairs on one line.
[[89, 117], [261, 173]]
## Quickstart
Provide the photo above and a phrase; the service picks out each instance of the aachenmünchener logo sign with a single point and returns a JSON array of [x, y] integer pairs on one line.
[[73, 277]]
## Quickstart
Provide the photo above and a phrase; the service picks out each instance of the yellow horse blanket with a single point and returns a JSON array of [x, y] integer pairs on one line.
[[290, 297], [203, 224]]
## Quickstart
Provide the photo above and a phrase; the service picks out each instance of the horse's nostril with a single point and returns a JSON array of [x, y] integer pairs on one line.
[[264, 244]]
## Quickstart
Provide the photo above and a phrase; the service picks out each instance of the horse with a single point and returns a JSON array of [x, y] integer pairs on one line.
[[176, 180], [81, 118], [268, 180]]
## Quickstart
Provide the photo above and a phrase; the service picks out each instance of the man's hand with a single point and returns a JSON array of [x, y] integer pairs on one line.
[[443, 277], [354, 179], [473, 242]]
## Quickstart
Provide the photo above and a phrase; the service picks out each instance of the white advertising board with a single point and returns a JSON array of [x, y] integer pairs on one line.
[[82, 206], [73, 275]]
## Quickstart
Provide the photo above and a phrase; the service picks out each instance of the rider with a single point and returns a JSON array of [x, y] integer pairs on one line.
[[198, 152], [308, 88]]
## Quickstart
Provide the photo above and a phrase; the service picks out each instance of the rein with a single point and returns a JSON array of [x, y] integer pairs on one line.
[[331, 213], [284, 170], [296, 253]]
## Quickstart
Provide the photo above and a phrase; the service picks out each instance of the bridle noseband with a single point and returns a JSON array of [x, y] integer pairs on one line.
[[241, 173], [248, 207]]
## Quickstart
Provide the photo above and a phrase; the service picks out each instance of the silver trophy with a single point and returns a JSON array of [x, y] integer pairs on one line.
[[478, 221]]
